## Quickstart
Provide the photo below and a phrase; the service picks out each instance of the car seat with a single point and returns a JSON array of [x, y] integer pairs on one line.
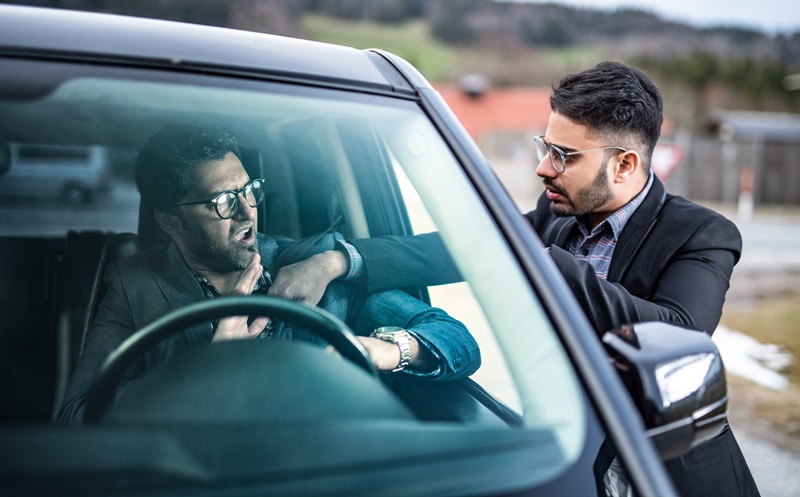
[[81, 288]]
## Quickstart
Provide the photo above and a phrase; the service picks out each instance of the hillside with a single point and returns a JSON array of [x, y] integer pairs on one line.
[[517, 43]]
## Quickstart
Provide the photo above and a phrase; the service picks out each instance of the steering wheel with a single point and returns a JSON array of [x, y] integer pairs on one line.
[[315, 320]]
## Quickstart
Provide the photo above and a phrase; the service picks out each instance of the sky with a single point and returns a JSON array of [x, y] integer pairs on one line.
[[770, 16]]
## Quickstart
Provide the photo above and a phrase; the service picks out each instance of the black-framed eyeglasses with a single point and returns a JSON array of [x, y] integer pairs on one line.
[[543, 149], [227, 203]]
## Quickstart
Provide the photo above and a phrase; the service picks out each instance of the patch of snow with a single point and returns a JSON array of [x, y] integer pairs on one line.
[[750, 359]]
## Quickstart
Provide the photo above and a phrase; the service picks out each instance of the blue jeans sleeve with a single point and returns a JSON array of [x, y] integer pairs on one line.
[[446, 338]]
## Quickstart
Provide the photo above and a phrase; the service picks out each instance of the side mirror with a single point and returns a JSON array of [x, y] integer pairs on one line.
[[677, 381]]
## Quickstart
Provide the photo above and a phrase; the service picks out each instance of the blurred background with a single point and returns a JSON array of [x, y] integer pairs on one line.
[[730, 77]]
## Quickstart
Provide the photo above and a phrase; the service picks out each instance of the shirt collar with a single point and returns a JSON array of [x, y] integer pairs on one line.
[[263, 283]]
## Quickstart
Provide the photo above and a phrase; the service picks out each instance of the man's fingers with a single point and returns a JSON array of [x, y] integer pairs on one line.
[[302, 281], [285, 282], [385, 355], [257, 326], [230, 328], [249, 278]]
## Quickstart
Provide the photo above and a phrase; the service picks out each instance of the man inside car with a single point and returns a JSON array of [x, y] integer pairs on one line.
[[205, 201]]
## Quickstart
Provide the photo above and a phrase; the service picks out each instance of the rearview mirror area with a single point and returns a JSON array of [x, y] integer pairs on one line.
[[676, 379]]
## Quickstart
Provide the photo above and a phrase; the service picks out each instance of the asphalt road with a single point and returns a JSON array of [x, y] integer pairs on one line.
[[770, 263], [769, 267]]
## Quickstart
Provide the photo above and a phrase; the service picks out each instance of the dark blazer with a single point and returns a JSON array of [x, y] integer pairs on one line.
[[147, 285], [140, 289], [673, 262]]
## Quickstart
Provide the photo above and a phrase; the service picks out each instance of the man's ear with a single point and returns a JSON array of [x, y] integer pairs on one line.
[[628, 163], [169, 222]]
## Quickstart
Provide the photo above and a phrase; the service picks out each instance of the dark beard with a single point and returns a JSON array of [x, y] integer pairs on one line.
[[587, 200], [223, 259]]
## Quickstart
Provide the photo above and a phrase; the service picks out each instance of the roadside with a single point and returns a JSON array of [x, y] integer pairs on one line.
[[764, 303], [760, 419]]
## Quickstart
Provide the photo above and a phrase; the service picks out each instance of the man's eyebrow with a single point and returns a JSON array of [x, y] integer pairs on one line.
[[563, 148], [226, 190]]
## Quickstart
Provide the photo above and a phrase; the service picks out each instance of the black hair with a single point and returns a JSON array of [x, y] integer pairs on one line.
[[615, 100], [166, 161]]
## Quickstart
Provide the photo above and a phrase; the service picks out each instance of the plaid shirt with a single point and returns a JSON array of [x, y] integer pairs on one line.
[[356, 273], [261, 287], [210, 291], [597, 246]]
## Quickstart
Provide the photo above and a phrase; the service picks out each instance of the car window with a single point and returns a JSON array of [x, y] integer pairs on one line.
[[362, 165], [495, 296]]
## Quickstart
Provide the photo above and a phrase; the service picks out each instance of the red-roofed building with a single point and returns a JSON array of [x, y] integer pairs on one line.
[[503, 122], [516, 110]]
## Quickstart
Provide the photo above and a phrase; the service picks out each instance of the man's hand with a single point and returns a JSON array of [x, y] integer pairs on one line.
[[236, 326], [306, 281]]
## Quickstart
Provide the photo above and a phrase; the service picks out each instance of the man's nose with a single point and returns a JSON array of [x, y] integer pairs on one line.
[[245, 211], [545, 168]]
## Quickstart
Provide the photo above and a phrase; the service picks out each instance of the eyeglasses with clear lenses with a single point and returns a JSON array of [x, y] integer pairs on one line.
[[227, 203], [558, 157]]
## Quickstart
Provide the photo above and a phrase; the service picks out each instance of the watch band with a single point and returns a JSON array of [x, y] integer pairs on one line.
[[399, 337]]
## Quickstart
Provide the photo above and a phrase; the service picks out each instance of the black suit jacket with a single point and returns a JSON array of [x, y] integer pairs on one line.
[[140, 289], [673, 262]]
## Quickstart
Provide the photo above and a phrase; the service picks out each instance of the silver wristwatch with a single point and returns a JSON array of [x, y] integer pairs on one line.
[[399, 337]]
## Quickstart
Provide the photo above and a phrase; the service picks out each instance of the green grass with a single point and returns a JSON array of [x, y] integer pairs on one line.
[[439, 62], [775, 320], [411, 41], [573, 58]]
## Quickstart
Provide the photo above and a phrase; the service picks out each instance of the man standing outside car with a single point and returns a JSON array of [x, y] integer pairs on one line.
[[629, 251]]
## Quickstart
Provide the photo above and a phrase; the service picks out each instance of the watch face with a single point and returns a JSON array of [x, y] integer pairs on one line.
[[388, 329], [400, 337]]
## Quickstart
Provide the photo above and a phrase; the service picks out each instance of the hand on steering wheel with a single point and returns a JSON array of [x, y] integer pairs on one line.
[[316, 320]]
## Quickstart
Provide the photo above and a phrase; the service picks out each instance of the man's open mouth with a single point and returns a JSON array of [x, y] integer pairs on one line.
[[245, 235]]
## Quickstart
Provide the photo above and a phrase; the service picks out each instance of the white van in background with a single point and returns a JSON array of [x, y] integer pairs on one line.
[[74, 173]]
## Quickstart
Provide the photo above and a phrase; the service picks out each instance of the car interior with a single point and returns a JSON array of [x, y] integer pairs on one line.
[[331, 163], [52, 284]]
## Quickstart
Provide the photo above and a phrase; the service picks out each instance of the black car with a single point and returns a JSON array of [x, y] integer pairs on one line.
[[352, 141]]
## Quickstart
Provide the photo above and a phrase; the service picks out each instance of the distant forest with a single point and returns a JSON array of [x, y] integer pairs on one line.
[[726, 65]]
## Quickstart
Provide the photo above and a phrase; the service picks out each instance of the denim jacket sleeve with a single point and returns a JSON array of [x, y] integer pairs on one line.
[[445, 337]]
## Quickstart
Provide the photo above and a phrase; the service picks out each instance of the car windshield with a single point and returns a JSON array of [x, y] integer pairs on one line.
[[363, 166]]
